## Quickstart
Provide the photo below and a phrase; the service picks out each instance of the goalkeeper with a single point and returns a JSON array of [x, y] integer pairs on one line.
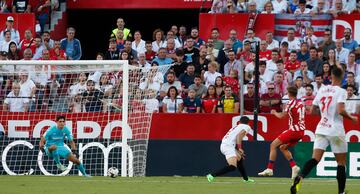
[[234, 155], [52, 143]]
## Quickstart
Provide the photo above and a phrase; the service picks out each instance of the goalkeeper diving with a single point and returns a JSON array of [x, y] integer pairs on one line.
[[52, 143]]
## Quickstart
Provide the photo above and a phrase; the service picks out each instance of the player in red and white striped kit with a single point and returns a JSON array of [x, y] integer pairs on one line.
[[289, 138]]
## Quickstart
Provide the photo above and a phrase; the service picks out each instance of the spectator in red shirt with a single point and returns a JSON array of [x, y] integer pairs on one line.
[[233, 81], [149, 53], [284, 54], [28, 41], [57, 52], [270, 100], [308, 98], [280, 84], [249, 99], [292, 65], [210, 100], [264, 53], [41, 8], [246, 55]]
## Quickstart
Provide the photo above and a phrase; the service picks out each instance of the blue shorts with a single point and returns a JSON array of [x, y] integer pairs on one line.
[[61, 150]]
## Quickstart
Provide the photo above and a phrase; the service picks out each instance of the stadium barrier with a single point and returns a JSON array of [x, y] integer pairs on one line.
[[180, 144]]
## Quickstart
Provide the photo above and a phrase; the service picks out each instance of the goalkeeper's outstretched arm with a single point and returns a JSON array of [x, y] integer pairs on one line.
[[42, 144]]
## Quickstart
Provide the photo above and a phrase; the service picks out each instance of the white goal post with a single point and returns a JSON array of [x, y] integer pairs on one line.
[[107, 114]]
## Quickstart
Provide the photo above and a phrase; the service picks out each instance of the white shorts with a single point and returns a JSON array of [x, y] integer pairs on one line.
[[338, 144], [228, 150]]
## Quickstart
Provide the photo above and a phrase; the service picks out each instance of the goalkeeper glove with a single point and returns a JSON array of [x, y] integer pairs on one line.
[[74, 151], [42, 149]]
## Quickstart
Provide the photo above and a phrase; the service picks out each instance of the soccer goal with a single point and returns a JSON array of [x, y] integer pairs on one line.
[[105, 104]]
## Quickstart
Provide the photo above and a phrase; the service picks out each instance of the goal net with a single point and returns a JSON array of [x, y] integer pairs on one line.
[[108, 106]]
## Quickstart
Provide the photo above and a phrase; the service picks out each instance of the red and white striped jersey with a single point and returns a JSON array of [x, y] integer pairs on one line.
[[296, 112]]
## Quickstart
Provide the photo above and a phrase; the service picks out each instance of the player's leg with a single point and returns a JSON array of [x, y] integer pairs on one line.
[[272, 157], [341, 171], [241, 168], [54, 153], [339, 148], [231, 158], [320, 145], [71, 157], [285, 150]]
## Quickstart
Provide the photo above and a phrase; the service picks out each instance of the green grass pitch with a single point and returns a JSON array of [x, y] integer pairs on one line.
[[164, 185]]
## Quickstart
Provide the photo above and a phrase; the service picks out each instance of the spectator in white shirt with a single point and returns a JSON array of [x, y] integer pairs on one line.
[[341, 52], [352, 66], [210, 75], [310, 38], [171, 34], [268, 8], [352, 104], [294, 42], [347, 5], [5, 42], [302, 8], [320, 7], [318, 83], [151, 103], [158, 37], [10, 27], [16, 101], [138, 44], [272, 43], [280, 6], [338, 8], [27, 86]]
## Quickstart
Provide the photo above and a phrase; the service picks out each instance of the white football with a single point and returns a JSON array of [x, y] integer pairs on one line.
[[113, 172]]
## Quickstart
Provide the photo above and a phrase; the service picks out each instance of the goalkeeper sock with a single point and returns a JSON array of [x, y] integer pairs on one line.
[[341, 178], [241, 168], [308, 167], [224, 170], [82, 169], [56, 156]]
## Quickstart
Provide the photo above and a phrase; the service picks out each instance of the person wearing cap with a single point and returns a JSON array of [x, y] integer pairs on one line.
[[15, 36]]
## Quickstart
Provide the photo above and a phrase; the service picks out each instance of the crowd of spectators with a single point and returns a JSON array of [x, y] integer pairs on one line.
[[204, 76], [296, 7]]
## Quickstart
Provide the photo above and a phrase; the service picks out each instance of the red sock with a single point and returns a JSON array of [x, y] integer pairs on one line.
[[292, 163], [270, 164]]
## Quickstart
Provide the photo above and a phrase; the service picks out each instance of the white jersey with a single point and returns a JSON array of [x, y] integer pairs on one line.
[[230, 137], [327, 99]]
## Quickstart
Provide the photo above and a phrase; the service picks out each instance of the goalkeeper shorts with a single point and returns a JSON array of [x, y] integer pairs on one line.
[[63, 151]]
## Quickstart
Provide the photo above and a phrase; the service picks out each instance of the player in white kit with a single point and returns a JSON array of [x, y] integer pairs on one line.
[[330, 102], [231, 147]]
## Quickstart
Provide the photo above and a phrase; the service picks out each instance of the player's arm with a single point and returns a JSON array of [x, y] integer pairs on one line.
[[342, 112], [42, 144], [72, 145], [279, 115], [70, 138], [315, 110], [239, 139]]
